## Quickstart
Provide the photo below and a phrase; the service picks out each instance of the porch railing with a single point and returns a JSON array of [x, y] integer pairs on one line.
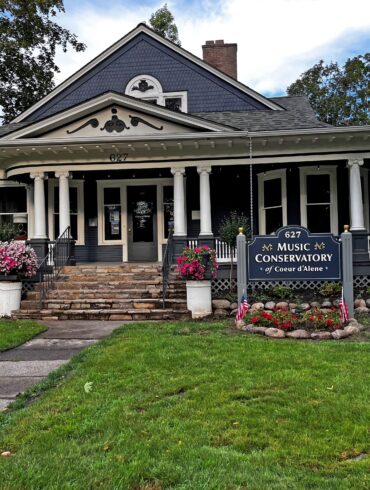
[[59, 254], [223, 251], [166, 264]]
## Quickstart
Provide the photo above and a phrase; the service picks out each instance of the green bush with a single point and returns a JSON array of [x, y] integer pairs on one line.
[[282, 292], [8, 231], [330, 289]]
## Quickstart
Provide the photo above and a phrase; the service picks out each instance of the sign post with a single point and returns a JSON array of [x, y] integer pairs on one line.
[[241, 264], [347, 264]]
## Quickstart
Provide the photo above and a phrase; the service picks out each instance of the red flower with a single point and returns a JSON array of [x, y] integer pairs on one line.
[[254, 319]]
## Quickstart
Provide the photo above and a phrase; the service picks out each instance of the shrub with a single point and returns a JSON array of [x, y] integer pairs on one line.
[[8, 231], [282, 292], [19, 259], [197, 263], [330, 289]]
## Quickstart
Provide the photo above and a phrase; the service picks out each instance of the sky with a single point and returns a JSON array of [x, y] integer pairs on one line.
[[277, 39]]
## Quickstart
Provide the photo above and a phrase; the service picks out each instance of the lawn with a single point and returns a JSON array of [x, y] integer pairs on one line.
[[16, 332], [196, 406]]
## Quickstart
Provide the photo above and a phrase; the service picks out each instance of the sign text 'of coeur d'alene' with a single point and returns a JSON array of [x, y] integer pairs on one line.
[[294, 254]]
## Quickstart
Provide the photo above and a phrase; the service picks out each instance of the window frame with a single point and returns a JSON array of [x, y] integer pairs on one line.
[[262, 178], [156, 93], [330, 170]]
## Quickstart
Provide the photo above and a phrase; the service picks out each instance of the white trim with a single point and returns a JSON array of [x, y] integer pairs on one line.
[[124, 40], [330, 170], [262, 178], [123, 184], [101, 102], [79, 185]]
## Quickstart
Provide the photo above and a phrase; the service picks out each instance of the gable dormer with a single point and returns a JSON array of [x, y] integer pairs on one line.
[[143, 53]]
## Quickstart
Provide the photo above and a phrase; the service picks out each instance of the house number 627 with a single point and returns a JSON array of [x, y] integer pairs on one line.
[[118, 157]]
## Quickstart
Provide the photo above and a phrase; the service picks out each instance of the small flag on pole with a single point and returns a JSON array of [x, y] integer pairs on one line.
[[243, 308], [343, 309]]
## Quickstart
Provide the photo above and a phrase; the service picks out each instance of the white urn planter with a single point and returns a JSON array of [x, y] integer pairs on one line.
[[199, 298], [10, 296]]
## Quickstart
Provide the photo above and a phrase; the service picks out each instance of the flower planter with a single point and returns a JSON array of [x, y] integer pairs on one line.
[[199, 298], [10, 295]]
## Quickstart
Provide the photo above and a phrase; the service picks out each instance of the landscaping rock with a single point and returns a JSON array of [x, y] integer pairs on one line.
[[283, 305], [340, 334], [292, 306], [326, 304], [222, 304], [325, 310], [253, 329], [315, 304], [257, 306], [234, 306], [321, 335], [234, 312], [270, 305], [362, 310], [352, 329], [352, 321], [336, 302], [360, 303], [368, 303], [239, 324], [220, 313], [305, 306], [299, 334], [275, 333]]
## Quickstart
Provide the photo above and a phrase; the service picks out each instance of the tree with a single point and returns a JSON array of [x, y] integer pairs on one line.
[[339, 95], [28, 41], [229, 229], [162, 22]]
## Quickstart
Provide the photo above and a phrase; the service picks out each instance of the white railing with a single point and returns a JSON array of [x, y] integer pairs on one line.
[[223, 250]]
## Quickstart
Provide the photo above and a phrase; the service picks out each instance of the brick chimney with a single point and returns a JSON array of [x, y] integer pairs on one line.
[[222, 56]]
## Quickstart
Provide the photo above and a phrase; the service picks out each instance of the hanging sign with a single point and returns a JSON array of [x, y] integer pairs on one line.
[[294, 254]]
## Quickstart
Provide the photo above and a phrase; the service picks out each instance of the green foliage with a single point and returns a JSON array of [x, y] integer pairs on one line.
[[339, 95], [329, 289], [282, 292], [162, 22], [28, 41], [8, 231], [229, 227], [187, 405]]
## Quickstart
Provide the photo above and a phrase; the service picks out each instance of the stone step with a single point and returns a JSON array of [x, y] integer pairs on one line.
[[101, 314], [118, 294], [99, 303]]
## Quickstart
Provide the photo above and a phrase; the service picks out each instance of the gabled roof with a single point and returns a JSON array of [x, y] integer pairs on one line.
[[80, 111], [144, 29], [298, 114]]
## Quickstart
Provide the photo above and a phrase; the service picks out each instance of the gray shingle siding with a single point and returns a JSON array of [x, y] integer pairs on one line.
[[144, 55], [298, 114]]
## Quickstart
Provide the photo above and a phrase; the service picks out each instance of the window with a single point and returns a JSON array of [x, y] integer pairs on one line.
[[13, 207], [76, 206], [319, 199], [112, 213], [148, 88], [272, 201]]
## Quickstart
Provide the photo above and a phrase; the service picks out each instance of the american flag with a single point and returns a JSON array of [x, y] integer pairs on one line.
[[243, 308], [343, 308]]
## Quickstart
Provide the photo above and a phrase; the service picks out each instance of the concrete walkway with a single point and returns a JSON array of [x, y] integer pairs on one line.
[[29, 363]]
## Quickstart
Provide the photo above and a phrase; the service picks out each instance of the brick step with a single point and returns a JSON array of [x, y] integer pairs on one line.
[[127, 304], [116, 294], [99, 314]]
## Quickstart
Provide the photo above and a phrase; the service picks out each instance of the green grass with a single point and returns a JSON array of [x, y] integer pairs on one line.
[[195, 406], [16, 332]]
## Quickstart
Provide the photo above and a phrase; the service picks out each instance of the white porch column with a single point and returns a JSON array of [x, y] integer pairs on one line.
[[39, 205], [355, 195], [205, 201], [178, 201], [64, 208]]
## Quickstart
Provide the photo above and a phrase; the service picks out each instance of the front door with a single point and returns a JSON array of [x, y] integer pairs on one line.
[[142, 223]]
